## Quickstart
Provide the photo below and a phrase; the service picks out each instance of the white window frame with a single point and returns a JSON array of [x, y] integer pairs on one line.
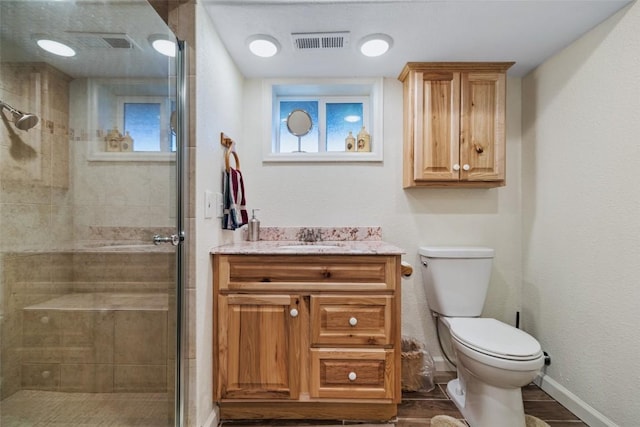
[[324, 90], [104, 92]]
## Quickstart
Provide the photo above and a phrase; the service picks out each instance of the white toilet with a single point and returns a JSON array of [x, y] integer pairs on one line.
[[494, 360]]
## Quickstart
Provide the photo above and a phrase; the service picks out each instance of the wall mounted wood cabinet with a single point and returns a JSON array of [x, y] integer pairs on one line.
[[454, 124], [298, 336]]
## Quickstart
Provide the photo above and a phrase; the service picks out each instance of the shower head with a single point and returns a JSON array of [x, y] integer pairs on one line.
[[23, 121], [26, 121]]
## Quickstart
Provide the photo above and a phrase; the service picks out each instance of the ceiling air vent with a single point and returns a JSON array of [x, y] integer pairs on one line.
[[103, 40], [313, 41]]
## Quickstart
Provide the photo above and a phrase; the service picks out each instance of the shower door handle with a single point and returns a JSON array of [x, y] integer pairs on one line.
[[174, 239]]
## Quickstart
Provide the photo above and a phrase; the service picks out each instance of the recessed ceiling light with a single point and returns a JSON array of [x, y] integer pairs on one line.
[[263, 46], [375, 44], [56, 48], [163, 44]]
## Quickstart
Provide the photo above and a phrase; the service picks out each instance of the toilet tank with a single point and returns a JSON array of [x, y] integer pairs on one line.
[[456, 279]]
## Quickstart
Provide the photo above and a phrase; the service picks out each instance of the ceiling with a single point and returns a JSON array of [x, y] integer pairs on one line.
[[83, 24], [525, 31]]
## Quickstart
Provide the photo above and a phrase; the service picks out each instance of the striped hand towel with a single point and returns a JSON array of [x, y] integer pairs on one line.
[[235, 212]]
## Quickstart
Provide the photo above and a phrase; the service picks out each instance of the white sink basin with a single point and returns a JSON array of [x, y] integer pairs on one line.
[[309, 247]]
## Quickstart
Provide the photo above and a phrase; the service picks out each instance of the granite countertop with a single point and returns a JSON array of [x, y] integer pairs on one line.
[[327, 241], [284, 247]]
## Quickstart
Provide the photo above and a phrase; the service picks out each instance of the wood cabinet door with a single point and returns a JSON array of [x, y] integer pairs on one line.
[[436, 125], [259, 345], [482, 126]]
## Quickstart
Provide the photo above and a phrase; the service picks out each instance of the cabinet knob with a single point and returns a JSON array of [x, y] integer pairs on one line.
[[293, 312], [352, 376], [353, 321], [456, 167], [44, 320], [466, 167]]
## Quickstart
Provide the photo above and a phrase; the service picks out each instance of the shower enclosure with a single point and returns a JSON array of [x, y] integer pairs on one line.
[[91, 217]]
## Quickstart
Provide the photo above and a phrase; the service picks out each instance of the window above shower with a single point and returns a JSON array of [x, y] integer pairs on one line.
[[128, 120]]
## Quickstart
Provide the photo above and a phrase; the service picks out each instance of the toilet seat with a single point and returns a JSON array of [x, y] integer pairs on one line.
[[494, 338]]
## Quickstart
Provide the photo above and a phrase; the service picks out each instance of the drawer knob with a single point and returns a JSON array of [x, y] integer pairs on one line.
[[293, 312], [353, 321], [44, 320], [352, 376]]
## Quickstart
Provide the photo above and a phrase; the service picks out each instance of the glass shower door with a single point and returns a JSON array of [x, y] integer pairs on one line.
[[89, 142]]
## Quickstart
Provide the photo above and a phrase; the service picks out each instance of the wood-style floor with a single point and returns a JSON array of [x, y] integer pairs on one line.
[[417, 409]]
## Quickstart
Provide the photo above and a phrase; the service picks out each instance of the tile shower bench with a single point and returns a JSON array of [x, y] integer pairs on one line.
[[95, 318]]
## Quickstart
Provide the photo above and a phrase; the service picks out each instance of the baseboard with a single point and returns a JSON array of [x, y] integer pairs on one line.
[[441, 364], [580, 408], [212, 421]]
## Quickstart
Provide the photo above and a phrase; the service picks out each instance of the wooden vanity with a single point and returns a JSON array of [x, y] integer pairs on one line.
[[307, 334]]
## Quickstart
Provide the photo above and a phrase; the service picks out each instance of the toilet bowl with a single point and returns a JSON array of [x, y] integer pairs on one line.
[[494, 360]]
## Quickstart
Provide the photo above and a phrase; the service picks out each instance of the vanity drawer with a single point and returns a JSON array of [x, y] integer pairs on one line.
[[352, 373], [351, 320], [300, 272]]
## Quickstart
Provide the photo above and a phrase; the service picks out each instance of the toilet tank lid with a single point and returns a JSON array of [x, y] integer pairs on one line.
[[456, 252]]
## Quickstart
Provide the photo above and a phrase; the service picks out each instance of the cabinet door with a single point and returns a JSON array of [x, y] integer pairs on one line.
[[436, 126], [258, 346], [482, 126]]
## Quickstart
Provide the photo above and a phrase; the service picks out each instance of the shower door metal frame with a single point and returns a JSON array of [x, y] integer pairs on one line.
[[182, 134]]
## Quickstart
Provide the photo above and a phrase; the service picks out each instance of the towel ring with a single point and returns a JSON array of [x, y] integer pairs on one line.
[[227, 157], [228, 143]]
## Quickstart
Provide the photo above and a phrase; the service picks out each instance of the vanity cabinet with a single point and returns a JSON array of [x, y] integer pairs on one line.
[[454, 124], [307, 336]]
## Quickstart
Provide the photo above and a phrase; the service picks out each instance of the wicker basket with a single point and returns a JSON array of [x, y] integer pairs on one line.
[[412, 365]]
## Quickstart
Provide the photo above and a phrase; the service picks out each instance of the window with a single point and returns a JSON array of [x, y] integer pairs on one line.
[[130, 119], [332, 117], [338, 110], [286, 141], [146, 120]]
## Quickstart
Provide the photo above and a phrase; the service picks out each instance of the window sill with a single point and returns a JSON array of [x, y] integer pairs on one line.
[[322, 157], [139, 156]]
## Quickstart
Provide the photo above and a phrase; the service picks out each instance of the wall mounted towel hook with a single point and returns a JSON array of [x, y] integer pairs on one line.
[[228, 143]]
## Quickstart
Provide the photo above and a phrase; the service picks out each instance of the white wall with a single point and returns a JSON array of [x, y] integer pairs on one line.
[[332, 194], [581, 215], [218, 105]]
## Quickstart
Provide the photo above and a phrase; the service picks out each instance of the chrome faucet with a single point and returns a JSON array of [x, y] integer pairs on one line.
[[309, 235]]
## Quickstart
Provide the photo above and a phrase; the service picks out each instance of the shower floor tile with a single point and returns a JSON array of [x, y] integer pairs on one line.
[[36, 408]]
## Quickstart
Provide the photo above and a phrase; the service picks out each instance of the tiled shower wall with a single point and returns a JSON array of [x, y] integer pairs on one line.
[[35, 210], [86, 350]]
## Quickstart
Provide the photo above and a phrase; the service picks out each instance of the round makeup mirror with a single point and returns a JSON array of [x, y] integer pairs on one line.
[[299, 124]]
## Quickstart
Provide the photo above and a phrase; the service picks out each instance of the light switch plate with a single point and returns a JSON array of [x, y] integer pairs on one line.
[[219, 206], [208, 204]]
